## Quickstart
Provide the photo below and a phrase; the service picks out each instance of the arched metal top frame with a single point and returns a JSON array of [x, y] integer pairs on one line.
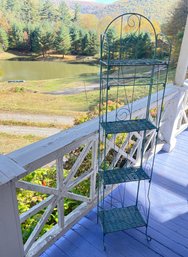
[[129, 15], [133, 30]]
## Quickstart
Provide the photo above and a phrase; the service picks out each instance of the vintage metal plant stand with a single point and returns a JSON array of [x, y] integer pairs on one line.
[[134, 62]]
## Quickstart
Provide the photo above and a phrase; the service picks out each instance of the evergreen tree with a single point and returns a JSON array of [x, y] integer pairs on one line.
[[3, 4], [47, 11], [10, 5], [85, 42], [82, 41], [30, 11], [76, 17], [74, 34], [13, 6], [16, 39], [92, 44], [30, 16], [42, 39], [111, 35], [135, 46], [63, 41], [64, 14], [3, 39]]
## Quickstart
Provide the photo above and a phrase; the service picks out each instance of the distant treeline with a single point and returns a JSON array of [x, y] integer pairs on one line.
[[39, 26], [42, 25]]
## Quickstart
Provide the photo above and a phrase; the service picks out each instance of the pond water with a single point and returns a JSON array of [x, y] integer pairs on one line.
[[38, 70]]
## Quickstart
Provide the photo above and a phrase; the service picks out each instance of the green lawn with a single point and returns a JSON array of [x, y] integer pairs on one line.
[[26, 102], [14, 98]]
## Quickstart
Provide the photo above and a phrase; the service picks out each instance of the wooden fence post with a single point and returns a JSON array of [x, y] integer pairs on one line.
[[11, 244]]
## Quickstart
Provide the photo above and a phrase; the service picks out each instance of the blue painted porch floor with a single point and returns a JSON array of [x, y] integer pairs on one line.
[[168, 224]]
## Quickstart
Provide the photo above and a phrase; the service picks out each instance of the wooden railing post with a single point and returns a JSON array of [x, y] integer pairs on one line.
[[181, 69], [11, 244], [170, 120]]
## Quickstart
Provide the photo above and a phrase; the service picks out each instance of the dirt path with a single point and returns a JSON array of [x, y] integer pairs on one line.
[[52, 119], [23, 130]]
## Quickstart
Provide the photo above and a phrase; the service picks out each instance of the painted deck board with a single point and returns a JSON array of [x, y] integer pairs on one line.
[[168, 223]]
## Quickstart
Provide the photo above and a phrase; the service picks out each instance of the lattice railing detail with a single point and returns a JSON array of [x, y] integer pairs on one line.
[[65, 183]]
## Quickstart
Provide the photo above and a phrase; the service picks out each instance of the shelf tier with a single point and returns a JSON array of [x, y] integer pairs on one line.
[[133, 62], [137, 84], [112, 85], [122, 175], [128, 78], [115, 127], [118, 219]]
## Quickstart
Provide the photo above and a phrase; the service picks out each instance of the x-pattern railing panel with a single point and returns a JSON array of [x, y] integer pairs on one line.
[[63, 189]]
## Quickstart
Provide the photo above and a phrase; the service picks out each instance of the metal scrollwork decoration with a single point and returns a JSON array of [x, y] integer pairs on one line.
[[134, 22], [123, 114]]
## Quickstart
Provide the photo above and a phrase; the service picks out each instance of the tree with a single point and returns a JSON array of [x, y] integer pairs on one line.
[[91, 44], [63, 41], [82, 41], [3, 4], [64, 14], [174, 28], [30, 16], [111, 36], [74, 34], [76, 17], [47, 11], [134, 46], [177, 21], [13, 6], [42, 39], [3, 39], [4, 22], [10, 5], [16, 38], [30, 11]]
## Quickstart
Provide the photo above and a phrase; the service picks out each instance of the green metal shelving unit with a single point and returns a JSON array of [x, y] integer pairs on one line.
[[133, 63]]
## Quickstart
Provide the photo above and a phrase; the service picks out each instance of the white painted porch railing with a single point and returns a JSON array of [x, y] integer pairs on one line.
[[18, 164], [182, 65], [182, 119]]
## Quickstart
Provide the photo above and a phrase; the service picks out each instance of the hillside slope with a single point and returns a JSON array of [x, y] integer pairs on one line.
[[153, 9]]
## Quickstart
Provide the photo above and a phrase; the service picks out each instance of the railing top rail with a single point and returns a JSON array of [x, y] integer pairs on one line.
[[9, 170], [44, 151]]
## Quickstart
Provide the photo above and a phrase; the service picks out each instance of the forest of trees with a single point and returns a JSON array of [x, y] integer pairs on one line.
[[38, 26]]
